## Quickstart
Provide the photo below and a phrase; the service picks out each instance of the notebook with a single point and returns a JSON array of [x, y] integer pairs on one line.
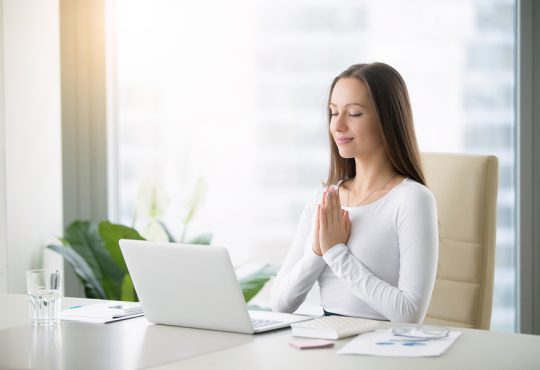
[[333, 327]]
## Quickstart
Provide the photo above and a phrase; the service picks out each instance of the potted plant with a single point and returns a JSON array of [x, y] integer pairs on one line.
[[93, 251]]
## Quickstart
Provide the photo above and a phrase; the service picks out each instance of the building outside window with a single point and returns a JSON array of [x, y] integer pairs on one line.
[[233, 95]]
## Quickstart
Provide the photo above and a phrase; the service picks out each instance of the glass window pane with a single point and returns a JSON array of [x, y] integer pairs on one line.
[[235, 92]]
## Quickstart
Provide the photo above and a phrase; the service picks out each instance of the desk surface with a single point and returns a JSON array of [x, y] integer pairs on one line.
[[135, 343]]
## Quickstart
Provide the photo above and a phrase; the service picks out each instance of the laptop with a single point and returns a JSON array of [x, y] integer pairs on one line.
[[194, 286]]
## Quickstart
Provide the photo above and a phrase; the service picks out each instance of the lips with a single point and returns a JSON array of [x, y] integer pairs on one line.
[[343, 140]]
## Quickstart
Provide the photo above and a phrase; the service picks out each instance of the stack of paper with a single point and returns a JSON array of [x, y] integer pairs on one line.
[[102, 313]]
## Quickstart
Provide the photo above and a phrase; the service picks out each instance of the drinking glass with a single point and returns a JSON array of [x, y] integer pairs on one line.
[[43, 290]]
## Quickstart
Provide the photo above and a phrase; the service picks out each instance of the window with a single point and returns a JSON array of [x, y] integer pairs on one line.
[[235, 92]]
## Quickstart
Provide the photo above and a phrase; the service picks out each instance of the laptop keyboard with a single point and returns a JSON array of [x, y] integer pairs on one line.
[[262, 323]]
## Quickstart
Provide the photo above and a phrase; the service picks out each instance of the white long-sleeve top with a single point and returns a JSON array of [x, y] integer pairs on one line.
[[387, 269]]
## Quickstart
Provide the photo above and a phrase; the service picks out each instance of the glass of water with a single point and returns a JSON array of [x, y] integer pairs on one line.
[[43, 290]]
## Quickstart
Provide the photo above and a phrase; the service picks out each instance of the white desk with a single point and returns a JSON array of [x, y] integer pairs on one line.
[[135, 343]]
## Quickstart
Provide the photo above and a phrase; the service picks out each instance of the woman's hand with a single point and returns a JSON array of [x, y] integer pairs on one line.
[[334, 223]]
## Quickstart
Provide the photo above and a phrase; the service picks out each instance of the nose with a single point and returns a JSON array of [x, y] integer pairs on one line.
[[339, 123]]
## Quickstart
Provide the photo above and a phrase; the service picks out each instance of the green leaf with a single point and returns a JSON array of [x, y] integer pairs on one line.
[[84, 238], [128, 290], [110, 234], [253, 283], [91, 285], [203, 239], [166, 229]]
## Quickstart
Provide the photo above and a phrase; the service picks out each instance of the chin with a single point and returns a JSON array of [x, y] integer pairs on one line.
[[346, 154]]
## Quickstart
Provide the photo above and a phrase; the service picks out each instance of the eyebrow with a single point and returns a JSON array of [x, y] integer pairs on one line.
[[346, 105]]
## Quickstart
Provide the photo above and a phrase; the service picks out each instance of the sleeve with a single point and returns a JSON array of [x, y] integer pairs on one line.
[[418, 249], [301, 267]]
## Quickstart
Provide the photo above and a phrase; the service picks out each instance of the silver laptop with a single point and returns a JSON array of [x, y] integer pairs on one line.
[[194, 286]]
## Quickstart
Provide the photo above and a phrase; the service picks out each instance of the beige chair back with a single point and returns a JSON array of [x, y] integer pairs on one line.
[[465, 187]]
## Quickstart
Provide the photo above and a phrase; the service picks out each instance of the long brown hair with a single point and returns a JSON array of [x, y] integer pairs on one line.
[[393, 108]]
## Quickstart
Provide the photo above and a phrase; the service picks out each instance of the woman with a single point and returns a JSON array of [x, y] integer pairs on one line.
[[369, 236]]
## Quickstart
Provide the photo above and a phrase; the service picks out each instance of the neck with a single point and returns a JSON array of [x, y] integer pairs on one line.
[[371, 172]]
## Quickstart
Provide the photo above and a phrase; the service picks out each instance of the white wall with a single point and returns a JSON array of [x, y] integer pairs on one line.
[[32, 135]]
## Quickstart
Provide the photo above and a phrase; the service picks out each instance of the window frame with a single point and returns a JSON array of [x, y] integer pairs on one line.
[[527, 174]]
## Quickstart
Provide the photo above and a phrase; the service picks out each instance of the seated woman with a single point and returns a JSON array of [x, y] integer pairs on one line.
[[369, 235]]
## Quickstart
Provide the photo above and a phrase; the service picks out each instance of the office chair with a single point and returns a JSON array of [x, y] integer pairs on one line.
[[465, 187]]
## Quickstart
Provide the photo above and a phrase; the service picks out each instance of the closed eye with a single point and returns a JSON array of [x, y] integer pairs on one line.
[[355, 114]]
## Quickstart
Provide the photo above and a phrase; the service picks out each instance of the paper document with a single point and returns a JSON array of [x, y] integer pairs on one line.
[[384, 343], [102, 313]]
